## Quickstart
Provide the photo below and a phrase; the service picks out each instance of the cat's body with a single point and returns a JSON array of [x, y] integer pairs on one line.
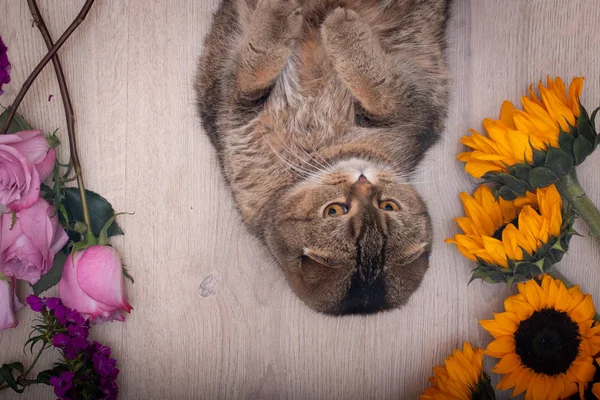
[[318, 109]]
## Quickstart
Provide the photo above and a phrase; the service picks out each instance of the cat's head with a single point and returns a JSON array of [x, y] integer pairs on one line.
[[353, 240]]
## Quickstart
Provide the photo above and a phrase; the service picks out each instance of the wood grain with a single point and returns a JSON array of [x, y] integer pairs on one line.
[[214, 318]]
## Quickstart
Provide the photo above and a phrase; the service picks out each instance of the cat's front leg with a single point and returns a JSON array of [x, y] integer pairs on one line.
[[267, 44], [361, 62]]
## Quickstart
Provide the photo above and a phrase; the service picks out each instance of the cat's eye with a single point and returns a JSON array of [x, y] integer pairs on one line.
[[389, 205], [335, 210]]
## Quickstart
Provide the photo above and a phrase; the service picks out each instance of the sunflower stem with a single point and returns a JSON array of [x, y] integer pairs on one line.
[[569, 188], [553, 272]]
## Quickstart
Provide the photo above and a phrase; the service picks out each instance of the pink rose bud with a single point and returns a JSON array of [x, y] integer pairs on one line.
[[92, 283], [26, 159], [27, 249], [9, 304]]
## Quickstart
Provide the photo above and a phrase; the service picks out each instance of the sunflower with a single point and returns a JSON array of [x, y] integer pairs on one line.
[[499, 233], [511, 139], [545, 340], [461, 377]]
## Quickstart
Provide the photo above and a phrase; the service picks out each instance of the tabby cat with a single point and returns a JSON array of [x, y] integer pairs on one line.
[[319, 110]]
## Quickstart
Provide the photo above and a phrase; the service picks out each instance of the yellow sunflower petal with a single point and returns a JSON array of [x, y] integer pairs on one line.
[[596, 390], [509, 363], [500, 347], [517, 305], [584, 311], [558, 110], [506, 114], [496, 251], [581, 371], [575, 89]]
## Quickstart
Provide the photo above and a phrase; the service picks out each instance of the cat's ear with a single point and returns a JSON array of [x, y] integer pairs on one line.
[[319, 257], [414, 251]]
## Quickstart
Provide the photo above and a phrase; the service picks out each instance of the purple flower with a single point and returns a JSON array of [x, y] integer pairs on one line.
[[103, 365], [53, 303], [102, 349], [78, 343], [78, 331], [35, 302], [61, 340], [76, 318], [62, 383], [4, 66]]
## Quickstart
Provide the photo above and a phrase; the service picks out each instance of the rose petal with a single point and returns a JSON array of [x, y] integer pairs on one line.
[[71, 294], [100, 276], [46, 166]]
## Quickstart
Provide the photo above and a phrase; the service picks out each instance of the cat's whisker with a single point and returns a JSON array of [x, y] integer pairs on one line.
[[293, 168]]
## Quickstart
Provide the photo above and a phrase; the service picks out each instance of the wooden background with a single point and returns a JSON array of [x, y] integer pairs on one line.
[[214, 318]]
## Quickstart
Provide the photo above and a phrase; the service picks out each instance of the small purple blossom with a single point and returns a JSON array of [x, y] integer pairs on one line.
[[78, 343], [61, 340], [102, 349], [78, 331], [4, 66], [103, 365], [35, 302], [62, 383], [53, 303]]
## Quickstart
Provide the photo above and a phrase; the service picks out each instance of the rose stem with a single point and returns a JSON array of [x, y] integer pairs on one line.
[[12, 109], [568, 186], [553, 272], [66, 98]]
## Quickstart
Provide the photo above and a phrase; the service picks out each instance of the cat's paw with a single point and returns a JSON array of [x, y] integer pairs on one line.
[[344, 26], [281, 18]]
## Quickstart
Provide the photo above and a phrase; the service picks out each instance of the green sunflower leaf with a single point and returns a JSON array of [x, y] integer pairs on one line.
[[541, 177], [558, 161]]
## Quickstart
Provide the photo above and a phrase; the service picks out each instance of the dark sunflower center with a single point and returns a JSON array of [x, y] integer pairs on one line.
[[548, 341], [498, 233]]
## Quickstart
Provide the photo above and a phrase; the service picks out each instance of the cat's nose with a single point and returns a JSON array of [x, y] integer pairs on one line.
[[362, 187], [362, 179]]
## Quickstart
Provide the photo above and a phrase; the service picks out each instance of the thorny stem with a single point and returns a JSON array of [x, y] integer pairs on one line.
[[13, 107], [568, 186], [553, 272], [66, 98]]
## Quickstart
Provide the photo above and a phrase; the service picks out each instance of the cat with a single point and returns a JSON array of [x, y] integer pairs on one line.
[[319, 110]]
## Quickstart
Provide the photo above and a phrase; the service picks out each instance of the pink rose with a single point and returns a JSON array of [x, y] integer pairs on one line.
[[26, 159], [92, 283], [27, 250], [9, 304]]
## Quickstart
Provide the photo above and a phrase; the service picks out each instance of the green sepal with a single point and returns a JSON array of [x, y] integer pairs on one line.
[[541, 177], [538, 156], [581, 149], [484, 389], [558, 161]]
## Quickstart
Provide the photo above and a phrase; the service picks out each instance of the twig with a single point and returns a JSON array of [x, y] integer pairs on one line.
[[13, 107], [66, 98]]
